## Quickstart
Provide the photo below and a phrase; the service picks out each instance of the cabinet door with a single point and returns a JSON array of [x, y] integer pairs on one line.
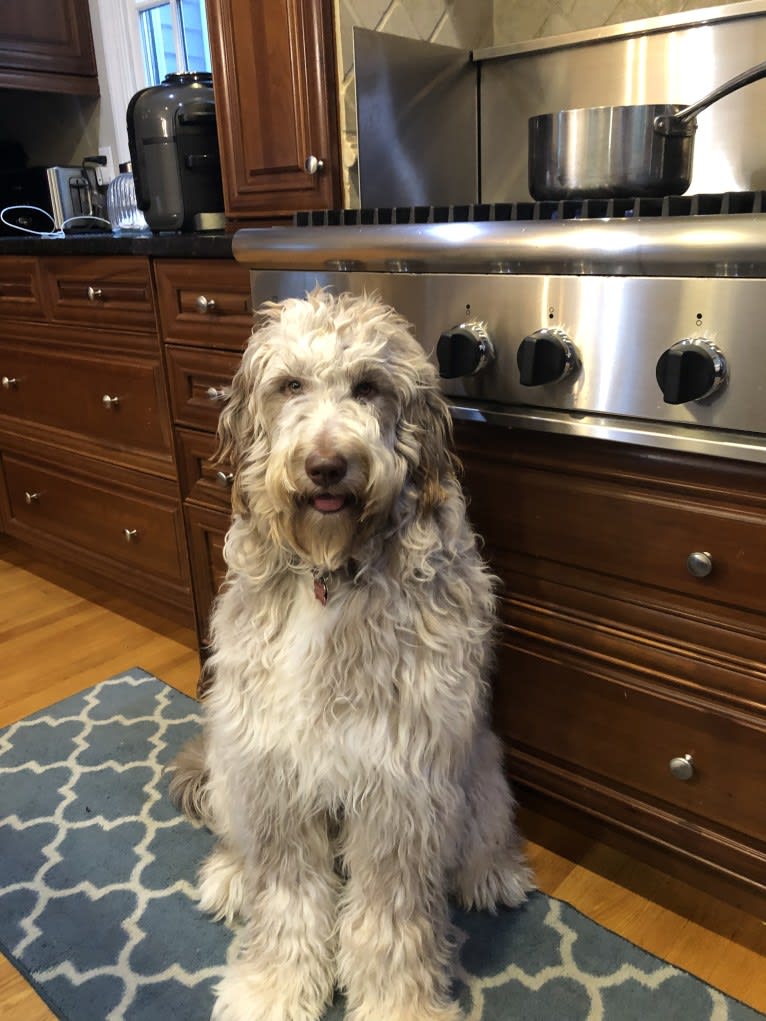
[[276, 102], [47, 37]]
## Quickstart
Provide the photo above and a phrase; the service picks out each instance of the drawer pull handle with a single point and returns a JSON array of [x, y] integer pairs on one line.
[[216, 393], [110, 402], [31, 497], [313, 165], [205, 305], [95, 294], [131, 534], [682, 767], [224, 479], [9, 382], [699, 564]]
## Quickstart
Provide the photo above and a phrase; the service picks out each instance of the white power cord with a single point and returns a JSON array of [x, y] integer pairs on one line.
[[56, 232]]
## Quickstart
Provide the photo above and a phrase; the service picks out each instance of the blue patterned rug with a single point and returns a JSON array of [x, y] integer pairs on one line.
[[97, 874]]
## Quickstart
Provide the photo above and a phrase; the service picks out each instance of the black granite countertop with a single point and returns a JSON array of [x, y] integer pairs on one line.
[[208, 245]]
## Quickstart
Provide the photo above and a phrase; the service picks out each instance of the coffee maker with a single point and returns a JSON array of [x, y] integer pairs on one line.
[[174, 151]]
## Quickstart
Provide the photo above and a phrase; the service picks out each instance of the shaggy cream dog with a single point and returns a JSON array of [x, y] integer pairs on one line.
[[347, 764]]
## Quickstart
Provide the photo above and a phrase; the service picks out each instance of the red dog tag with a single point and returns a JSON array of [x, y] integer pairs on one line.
[[320, 589]]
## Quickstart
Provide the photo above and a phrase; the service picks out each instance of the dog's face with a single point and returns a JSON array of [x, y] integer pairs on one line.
[[335, 427]]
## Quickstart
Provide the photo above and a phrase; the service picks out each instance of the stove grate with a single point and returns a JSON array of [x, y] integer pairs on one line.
[[574, 209]]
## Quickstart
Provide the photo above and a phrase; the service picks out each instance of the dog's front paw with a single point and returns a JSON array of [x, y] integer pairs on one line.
[[246, 994], [432, 1012], [221, 890]]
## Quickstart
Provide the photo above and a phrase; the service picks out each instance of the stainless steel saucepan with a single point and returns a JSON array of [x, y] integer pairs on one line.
[[619, 151]]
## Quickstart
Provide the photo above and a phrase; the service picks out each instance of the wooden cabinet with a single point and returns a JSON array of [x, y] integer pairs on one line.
[[207, 306], [98, 292], [87, 397], [46, 45], [206, 321], [21, 289], [274, 72], [85, 431], [198, 383], [631, 693], [131, 524]]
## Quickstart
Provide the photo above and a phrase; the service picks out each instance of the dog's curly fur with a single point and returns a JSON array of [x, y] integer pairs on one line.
[[346, 761]]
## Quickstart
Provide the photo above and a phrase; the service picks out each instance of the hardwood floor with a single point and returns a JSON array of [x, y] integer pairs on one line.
[[59, 635]]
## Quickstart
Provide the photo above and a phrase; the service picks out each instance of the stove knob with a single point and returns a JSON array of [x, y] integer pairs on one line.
[[464, 350], [546, 356], [690, 370]]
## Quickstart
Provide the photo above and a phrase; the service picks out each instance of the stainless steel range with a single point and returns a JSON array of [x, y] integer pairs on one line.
[[636, 321]]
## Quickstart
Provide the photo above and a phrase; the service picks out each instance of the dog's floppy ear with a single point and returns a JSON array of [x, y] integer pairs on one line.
[[237, 429], [430, 417], [232, 430]]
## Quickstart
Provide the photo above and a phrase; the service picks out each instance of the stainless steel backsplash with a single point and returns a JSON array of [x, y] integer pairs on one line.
[[415, 142], [674, 59]]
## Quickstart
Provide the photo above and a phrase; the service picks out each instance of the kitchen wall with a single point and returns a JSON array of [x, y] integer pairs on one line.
[[55, 129]]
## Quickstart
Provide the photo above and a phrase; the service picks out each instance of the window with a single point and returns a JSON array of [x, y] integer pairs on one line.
[[131, 56], [173, 37]]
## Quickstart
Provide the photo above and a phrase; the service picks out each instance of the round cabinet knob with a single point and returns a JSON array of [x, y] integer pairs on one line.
[[131, 534], [682, 767], [205, 305], [313, 165], [31, 497], [464, 350], [9, 382], [546, 356], [699, 564], [95, 294], [110, 402], [690, 370], [215, 393], [224, 479]]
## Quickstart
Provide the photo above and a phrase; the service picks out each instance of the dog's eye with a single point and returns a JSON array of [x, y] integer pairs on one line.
[[292, 386], [364, 390]]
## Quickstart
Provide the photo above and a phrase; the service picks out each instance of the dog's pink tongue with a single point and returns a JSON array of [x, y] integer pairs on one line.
[[328, 504]]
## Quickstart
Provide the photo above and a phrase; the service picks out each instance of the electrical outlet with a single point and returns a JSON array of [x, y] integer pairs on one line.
[[105, 174]]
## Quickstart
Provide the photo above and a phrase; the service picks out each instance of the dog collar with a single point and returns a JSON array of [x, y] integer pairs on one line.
[[322, 580]]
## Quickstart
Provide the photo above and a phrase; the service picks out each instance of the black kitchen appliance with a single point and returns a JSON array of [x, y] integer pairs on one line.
[[174, 150]]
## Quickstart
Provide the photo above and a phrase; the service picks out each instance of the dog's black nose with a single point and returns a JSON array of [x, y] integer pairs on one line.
[[324, 470]]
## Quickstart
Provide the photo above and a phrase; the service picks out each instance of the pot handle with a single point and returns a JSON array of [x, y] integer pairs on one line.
[[682, 123]]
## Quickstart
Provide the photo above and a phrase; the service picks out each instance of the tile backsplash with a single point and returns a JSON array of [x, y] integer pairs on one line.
[[471, 24]]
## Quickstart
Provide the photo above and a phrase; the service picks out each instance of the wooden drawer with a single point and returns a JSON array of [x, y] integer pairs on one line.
[[127, 521], [20, 288], [204, 302], [597, 721], [719, 657], [201, 481], [112, 292], [63, 389], [198, 382], [616, 525]]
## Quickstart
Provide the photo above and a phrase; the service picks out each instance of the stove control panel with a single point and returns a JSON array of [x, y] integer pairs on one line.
[[546, 356], [464, 350], [690, 370]]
